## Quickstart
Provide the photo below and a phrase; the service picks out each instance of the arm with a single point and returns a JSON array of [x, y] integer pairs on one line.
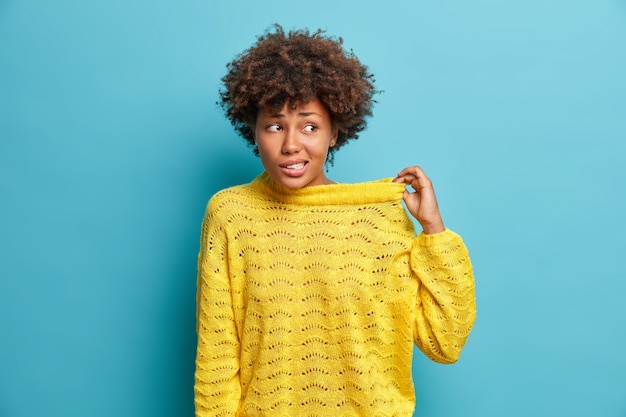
[[217, 389], [446, 304]]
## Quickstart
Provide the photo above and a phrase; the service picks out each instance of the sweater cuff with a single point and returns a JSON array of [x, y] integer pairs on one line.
[[437, 238]]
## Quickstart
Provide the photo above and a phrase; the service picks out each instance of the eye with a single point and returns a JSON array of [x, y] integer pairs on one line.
[[275, 127], [310, 128]]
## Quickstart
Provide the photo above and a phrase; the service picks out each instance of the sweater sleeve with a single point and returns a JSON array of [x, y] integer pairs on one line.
[[445, 304], [217, 388]]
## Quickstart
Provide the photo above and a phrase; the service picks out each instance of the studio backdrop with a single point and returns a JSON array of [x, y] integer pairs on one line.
[[111, 144]]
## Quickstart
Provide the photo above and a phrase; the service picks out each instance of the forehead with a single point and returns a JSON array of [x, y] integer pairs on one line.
[[313, 107]]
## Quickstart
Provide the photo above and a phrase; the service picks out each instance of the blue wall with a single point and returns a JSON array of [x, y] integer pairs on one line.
[[111, 144]]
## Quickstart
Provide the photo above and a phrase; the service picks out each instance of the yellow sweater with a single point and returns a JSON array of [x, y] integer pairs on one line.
[[309, 301]]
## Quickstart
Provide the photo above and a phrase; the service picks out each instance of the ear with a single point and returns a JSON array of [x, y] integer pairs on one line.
[[334, 136]]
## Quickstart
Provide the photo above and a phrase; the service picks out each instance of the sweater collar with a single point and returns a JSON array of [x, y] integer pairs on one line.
[[383, 190]]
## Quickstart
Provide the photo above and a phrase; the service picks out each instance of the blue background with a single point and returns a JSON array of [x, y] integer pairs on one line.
[[111, 143]]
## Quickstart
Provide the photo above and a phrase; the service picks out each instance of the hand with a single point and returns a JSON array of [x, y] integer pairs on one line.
[[421, 203]]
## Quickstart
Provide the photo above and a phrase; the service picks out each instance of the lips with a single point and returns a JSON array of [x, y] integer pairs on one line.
[[299, 165], [294, 168]]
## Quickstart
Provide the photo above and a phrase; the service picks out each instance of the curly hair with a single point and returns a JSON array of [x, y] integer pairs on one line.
[[298, 66]]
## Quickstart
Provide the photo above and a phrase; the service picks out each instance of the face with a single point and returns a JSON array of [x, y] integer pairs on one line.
[[293, 143]]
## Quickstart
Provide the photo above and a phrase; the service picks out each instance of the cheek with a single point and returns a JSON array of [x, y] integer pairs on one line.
[[265, 147], [323, 147]]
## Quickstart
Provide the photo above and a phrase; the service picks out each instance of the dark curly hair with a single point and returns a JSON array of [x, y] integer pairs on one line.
[[298, 66]]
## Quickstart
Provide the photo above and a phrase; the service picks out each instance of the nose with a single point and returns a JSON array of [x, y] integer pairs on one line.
[[291, 144]]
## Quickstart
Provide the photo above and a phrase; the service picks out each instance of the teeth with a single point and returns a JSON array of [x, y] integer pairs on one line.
[[296, 166]]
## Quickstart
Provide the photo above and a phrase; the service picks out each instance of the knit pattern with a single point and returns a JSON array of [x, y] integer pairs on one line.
[[309, 301]]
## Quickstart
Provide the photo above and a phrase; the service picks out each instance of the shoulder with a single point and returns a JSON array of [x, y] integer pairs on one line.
[[235, 201], [228, 197]]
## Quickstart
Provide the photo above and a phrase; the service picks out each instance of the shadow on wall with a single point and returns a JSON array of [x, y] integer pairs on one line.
[[219, 163], [227, 164], [213, 163]]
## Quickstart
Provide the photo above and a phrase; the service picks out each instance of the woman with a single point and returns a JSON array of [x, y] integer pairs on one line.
[[311, 294]]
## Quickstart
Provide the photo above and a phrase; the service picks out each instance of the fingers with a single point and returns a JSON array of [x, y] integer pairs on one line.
[[414, 176], [421, 203], [414, 170]]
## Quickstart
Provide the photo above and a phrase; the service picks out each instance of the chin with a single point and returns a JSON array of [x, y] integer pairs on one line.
[[293, 184]]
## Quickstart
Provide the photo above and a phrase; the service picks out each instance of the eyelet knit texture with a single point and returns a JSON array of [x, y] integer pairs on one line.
[[310, 300]]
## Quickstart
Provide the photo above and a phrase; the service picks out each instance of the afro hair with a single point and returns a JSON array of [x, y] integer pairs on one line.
[[298, 66]]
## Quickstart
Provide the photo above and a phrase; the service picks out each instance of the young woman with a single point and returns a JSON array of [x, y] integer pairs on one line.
[[311, 294]]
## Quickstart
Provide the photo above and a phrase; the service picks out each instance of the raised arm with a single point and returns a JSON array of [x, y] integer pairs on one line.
[[446, 305]]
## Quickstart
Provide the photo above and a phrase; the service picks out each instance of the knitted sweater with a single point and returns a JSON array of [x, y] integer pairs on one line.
[[309, 301]]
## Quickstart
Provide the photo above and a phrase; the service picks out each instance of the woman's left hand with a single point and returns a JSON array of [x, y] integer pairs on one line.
[[421, 203]]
